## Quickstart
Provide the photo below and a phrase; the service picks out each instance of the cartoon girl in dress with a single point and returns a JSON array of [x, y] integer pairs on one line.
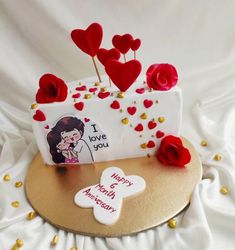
[[66, 143]]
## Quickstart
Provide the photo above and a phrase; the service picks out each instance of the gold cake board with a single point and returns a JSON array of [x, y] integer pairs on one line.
[[51, 192]]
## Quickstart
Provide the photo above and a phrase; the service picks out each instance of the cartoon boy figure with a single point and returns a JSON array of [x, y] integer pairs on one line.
[[66, 143]]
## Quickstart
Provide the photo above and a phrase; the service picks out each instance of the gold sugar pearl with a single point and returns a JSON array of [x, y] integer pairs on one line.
[[31, 215], [143, 145], [125, 121], [15, 204], [144, 116], [103, 89], [6, 177], [73, 248], [18, 184], [172, 223], [54, 240], [156, 101], [217, 157], [121, 95], [34, 106], [87, 96], [121, 111], [224, 190], [204, 143], [161, 119], [97, 84], [15, 247], [19, 243]]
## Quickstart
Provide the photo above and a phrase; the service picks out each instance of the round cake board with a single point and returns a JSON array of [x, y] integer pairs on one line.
[[51, 191]]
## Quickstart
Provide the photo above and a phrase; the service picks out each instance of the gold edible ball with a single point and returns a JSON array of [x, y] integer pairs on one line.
[[34, 106], [172, 223], [18, 184], [204, 143], [54, 240], [19, 243], [87, 96], [144, 116], [103, 89], [31, 215], [224, 190], [15, 247], [73, 248], [15, 204], [161, 119], [121, 95], [125, 121], [6, 177], [143, 145], [217, 157]]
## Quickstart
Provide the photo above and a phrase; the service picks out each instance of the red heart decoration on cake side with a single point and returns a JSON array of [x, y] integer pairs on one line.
[[39, 116], [104, 55], [81, 88], [88, 40], [160, 134], [140, 91], [152, 124], [122, 43], [131, 110], [151, 144], [148, 103], [76, 95], [79, 106], [123, 75], [47, 127], [86, 119], [115, 105], [103, 95], [139, 127], [135, 44], [92, 90]]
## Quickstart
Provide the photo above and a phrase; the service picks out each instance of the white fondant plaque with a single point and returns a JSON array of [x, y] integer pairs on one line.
[[107, 196]]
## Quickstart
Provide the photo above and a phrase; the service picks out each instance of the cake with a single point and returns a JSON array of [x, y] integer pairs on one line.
[[120, 115], [109, 123]]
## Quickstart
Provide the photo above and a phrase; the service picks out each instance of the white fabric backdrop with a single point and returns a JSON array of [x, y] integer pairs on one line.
[[198, 37]]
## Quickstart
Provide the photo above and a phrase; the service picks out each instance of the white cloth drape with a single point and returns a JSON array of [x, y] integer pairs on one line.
[[198, 37]]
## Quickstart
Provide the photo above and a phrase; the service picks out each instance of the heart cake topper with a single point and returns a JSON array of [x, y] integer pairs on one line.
[[123, 75], [107, 196]]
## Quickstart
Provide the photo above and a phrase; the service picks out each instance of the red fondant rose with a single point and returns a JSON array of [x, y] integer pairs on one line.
[[172, 152], [161, 76], [51, 89]]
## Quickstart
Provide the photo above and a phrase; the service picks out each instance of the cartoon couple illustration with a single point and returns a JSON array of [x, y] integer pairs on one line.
[[66, 143]]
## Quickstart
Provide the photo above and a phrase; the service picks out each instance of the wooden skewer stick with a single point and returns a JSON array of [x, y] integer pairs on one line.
[[124, 58], [134, 54], [96, 69]]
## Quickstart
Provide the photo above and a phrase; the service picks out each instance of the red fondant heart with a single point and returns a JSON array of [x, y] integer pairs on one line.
[[39, 116], [123, 75], [88, 40], [131, 110], [148, 103], [104, 55], [76, 95], [122, 43], [139, 127], [81, 88], [160, 134], [46, 127], [103, 95], [92, 90], [151, 144], [115, 105], [86, 119], [152, 124], [79, 106], [140, 91], [135, 44]]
